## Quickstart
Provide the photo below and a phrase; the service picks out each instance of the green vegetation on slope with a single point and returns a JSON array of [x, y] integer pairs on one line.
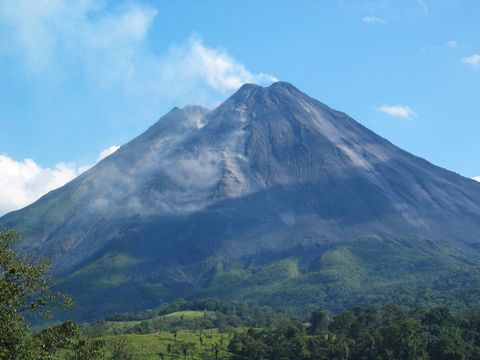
[[363, 272], [106, 272], [366, 271]]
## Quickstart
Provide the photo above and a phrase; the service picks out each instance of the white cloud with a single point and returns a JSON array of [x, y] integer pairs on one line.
[[477, 178], [473, 61], [109, 44], [107, 152], [373, 20], [402, 111], [23, 182]]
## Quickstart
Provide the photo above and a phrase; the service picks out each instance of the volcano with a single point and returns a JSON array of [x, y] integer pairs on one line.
[[271, 197]]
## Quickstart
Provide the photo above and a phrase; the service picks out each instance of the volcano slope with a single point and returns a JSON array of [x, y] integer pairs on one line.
[[273, 198]]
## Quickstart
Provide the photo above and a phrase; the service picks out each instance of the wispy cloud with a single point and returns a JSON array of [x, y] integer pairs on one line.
[[24, 181], [451, 44], [473, 61], [423, 5], [108, 44], [373, 20], [194, 62], [402, 111], [56, 34]]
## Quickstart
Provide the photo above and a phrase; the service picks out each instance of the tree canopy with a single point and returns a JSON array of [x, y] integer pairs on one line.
[[26, 290]]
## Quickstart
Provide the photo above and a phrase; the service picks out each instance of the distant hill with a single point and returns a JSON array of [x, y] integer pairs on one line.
[[271, 197]]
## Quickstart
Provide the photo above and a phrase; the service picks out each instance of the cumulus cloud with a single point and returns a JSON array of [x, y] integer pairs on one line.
[[402, 111], [373, 20], [23, 182], [109, 44], [473, 61], [477, 178], [107, 152]]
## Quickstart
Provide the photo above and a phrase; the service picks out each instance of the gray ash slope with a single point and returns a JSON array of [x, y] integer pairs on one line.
[[269, 174]]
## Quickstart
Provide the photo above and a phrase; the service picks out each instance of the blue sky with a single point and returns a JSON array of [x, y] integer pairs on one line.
[[79, 77]]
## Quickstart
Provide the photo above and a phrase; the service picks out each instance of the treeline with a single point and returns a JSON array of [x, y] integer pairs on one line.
[[382, 333], [214, 314], [241, 310]]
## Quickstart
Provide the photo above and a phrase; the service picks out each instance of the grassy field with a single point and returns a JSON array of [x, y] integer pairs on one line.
[[175, 344], [182, 344], [165, 345], [185, 314]]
